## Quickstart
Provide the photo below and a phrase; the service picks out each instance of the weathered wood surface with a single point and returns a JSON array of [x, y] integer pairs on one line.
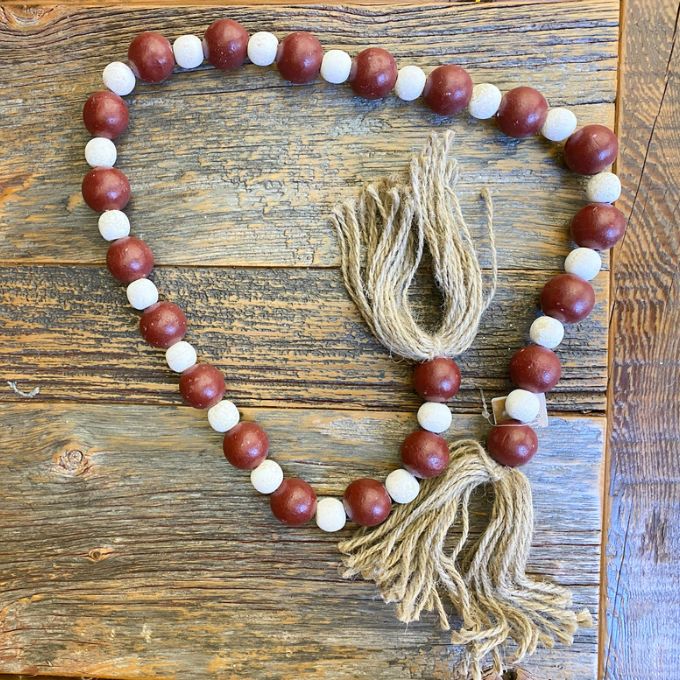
[[643, 578], [147, 556], [283, 336], [136, 556], [218, 179]]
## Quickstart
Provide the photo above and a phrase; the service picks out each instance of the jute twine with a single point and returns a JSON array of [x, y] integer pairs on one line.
[[383, 235]]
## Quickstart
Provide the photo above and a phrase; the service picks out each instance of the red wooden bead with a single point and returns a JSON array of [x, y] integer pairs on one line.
[[226, 44], [373, 74], [591, 149], [425, 454], [512, 443], [106, 189], [294, 502], [151, 57], [448, 89], [598, 226], [367, 502], [567, 298], [202, 385], [299, 57], [246, 445], [129, 259], [535, 368], [105, 114], [522, 112], [437, 379], [162, 325]]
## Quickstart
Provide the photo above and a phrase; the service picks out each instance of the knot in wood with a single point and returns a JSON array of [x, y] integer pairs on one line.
[[72, 462]]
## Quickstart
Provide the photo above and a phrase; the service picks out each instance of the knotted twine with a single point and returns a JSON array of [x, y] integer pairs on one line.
[[383, 235]]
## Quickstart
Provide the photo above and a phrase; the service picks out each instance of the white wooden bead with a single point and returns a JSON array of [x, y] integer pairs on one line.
[[330, 514], [434, 417], [262, 47], [604, 187], [584, 262], [485, 100], [402, 486], [547, 332], [119, 78], [267, 476], [142, 293], [335, 66], [180, 356], [559, 124], [113, 224], [223, 416], [410, 83], [188, 51], [100, 152], [522, 405]]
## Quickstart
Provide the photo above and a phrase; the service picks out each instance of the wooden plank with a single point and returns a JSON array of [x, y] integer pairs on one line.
[[131, 549], [218, 178], [288, 337], [643, 585]]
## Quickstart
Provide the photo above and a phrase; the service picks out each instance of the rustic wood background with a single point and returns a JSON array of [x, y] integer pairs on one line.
[[128, 548]]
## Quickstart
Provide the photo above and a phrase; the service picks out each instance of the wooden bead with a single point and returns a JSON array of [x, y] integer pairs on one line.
[[367, 502], [105, 114], [605, 187], [559, 124], [567, 298], [223, 416], [583, 262], [512, 443], [100, 152], [330, 515], [448, 90], [437, 379], [546, 332], [106, 189], [373, 74], [180, 357], [129, 259], [113, 224], [591, 149], [410, 83], [294, 502], [119, 78], [336, 66], [485, 100], [522, 112], [142, 293], [151, 57], [245, 445], [425, 454], [262, 48], [535, 368], [299, 57], [267, 477], [598, 226], [202, 386], [188, 51], [522, 405], [226, 44], [402, 486], [434, 417], [163, 324]]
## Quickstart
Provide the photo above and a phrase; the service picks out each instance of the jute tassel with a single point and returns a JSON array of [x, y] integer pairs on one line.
[[382, 237]]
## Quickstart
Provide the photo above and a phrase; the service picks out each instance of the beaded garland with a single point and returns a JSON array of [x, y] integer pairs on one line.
[[372, 74]]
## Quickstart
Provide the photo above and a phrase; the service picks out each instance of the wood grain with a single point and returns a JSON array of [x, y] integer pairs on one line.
[[216, 176], [148, 556], [643, 585], [286, 337], [128, 548]]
